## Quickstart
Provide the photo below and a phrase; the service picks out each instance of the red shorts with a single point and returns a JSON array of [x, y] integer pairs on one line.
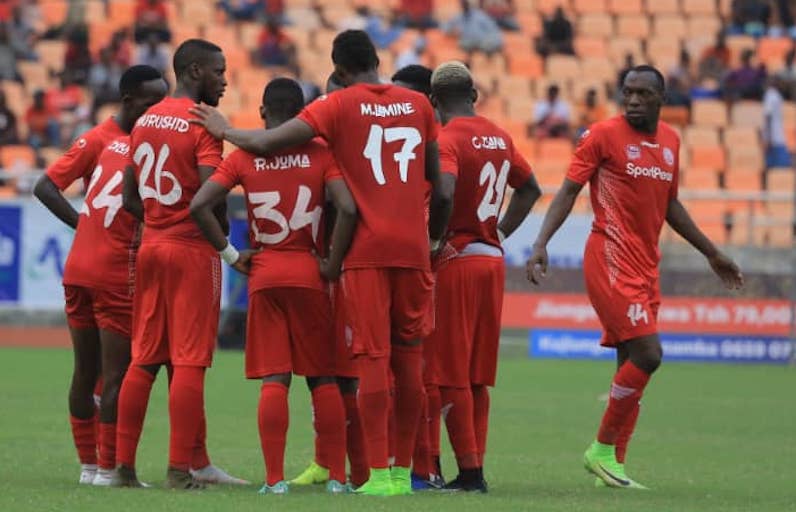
[[381, 303], [289, 330], [627, 308], [469, 305], [88, 308], [176, 305], [344, 363]]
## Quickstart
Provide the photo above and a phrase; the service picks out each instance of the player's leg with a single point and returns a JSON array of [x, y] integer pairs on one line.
[[115, 360], [355, 440], [131, 412], [202, 469], [329, 422], [272, 421]]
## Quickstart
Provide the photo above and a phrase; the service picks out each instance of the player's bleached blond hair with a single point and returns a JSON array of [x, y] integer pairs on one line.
[[452, 75]]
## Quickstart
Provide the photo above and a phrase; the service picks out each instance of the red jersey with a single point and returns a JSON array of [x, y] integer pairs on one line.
[[284, 196], [633, 176], [378, 135], [103, 251], [484, 159], [80, 160], [166, 152]]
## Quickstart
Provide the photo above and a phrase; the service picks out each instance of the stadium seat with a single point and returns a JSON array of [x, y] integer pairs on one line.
[[563, 67], [35, 75], [747, 114], [598, 68], [12, 155], [247, 119], [738, 135], [547, 7], [54, 12], [749, 156], [742, 179], [512, 86], [771, 51], [625, 6], [589, 6], [121, 13], [781, 179], [555, 150], [737, 44], [699, 7], [520, 108], [586, 46], [51, 54], [670, 26], [197, 14], [702, 28], [701, 136], [633, 25], [708, 156], [677, 116], [548, 173], [619, 47], [95, 12], [596, 25], [17, 98], [709, 113], [658, 7], [526, 64], [663, 51]]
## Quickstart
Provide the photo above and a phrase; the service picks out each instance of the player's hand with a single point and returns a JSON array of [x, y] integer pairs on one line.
[[328, 271], [213, 121], [244, 263], [727, 270], [536, 268]]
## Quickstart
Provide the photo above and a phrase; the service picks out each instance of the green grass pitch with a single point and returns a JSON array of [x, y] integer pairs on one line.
[[710, 438]]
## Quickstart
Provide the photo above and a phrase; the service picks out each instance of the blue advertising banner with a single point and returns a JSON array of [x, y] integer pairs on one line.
[[573, 344], [10, 223]]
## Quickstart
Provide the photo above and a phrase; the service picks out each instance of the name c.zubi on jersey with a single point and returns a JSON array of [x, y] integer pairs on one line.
[[390, 110], [282, 162], [653, 172]]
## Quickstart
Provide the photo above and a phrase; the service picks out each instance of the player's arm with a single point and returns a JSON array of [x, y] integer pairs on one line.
[[51, 197], [520, 205], [556, 215], [131, 199], [344, 227], [443, 186], [259, 142], [679, 219], [220, 208]]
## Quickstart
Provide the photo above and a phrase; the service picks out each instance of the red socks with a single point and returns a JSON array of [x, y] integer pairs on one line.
[[407, 367], [85, 437], [272, 420], [480, 419], [434, 421], [461, 429], [200, 459], [133, 401], [373, 401], [626, 390], [421, 459], [329, 415], [186, 408], [625, 433], [107, 442], [355, 442]]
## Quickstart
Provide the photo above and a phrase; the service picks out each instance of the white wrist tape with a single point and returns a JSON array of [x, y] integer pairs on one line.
[[229, 254]]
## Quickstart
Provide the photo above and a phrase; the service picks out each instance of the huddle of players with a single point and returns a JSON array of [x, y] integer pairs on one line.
[[393, 177]]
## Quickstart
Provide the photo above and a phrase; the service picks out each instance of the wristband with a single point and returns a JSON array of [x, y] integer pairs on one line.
[[501, 235], [435, 244], [229, 254]]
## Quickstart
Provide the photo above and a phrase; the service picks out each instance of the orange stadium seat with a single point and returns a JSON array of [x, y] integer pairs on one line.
[[589, 6], [598, 68], [633, 25], [712, 157], [596, 25], [781, 179], [677, 116], [247, 119], [547, 7], [701, 136], [742, 179], [709, 113], [51, 54], [512, 86], [725, 8], [527, 64], [670, 26], [749, 156], [618, 47], [772, 50], [702, 28], [95, 11], [563, 67], [197, 14], [737, 44], [16, 98], [657, 7], [735, 136], [699, 7], [586, 46], [625, 6], [121, 13], [663, 51], [700, 178], [54, 12], [520, 108], [12, 155], [747, 113], [548, 173], [35, 75], [555, 150]]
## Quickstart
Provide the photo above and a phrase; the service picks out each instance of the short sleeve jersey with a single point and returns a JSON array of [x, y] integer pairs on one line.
[[166, 152], [285, 195], [484, 159], [378, 135], [633, 176], [81, 158], [106, 240]]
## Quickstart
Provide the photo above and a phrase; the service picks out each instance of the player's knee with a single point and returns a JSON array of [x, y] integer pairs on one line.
[[314, 382], [281, 378], [348, 385]]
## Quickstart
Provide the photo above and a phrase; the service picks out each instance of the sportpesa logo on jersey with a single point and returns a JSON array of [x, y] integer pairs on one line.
[[653, 172], [282, 162]]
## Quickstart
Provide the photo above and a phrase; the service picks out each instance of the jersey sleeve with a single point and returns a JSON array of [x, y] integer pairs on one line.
[[78, 162], [331, 169], [587, 158], [321, 115], [433, 127], [448, 156], [208, 149], [226, 173], [520, 170]]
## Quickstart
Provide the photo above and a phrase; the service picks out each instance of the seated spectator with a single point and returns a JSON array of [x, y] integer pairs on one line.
[[682, 71], [551, 116], [715, 60], [274, 47], [121, 48], [275, 11], [412, 55], [103, 80], [503, 12], [590, 112], [8, 57], [746, 82], [68, 102], [777, 153], [42, 121], [677, 92], [22, 35], [788, 75], [416, 14], [241, 10], [8, 123], [154, 54], [77, 59], [475, 29], [380, 33], [309, 89], [151, 16], [750, 17], [557, 35], [630, 62]]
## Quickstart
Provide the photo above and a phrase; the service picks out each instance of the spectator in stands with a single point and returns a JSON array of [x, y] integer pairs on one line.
[[557, 35], [630, 62], [551, 116], [121, 48], [475, 29], [504, 12], [416, 14], [68, 102], [8, 123], [103, 80], [43, 127], [22, 35], [241, 10], [413, 54], [682, 71], [677, 92], [309, 89], [381, 33], [275, 11], [747, 81], [154, 54], [715, 60], [777, 153], [8, 57], [590, 111], [750, 17], [274, 47], [77, 59], [788, 75], [151, 16]]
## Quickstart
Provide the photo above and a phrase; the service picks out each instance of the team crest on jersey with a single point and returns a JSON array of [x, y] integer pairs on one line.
[[81, 142], [668, 156], [633, 151]]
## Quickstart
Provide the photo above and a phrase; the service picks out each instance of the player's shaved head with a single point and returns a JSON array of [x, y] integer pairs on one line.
[[193, 51], [135, 76], [282, 100], [415, 77], [452, 81], [660, 82], [353, 52]]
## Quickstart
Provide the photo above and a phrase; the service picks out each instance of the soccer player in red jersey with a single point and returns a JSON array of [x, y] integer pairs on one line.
[[631, 163], [470, 269], [290, 325], [178, 275], [98, 310], [384, 139]]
